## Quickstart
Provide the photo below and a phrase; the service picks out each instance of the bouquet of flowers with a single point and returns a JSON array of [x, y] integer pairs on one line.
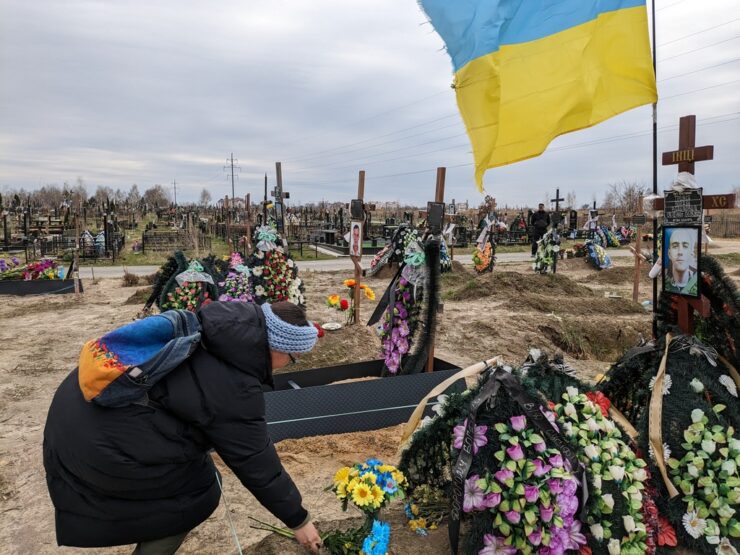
[[368, 486], [484, 259], [236, 286], [597, 256], [11, 269], [547, 251], [445, 262]]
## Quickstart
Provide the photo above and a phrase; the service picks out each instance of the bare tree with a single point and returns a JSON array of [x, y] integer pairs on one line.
[[625, 196], [570, 199], [157, 197], [103, 194], [134, 197], [205, 197]]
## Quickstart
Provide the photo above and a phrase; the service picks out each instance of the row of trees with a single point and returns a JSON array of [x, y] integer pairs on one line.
[[76, 194]]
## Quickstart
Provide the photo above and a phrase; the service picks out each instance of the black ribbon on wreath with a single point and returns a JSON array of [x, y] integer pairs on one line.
[[532, 409]]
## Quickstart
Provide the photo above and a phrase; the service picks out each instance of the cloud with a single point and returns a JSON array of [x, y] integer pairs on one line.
[[142, 92]]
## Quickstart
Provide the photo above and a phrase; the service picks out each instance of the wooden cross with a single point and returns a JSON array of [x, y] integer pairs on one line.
[[356, 259], [439, 196], [556, 200], [687, 153], [279, 196]]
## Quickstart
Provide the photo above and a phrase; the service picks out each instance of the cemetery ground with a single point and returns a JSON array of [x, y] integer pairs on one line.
[[503, 313]]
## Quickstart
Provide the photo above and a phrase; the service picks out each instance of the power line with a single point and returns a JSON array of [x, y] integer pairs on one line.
[[226, 168], [697, 49], [698, 70], [700, 31], [670, 5], [701, 89]]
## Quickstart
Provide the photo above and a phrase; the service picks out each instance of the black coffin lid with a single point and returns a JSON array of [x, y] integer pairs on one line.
[[37, 287], [316, 408]]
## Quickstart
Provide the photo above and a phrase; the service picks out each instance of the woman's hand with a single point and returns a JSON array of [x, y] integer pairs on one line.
[[308, 537]]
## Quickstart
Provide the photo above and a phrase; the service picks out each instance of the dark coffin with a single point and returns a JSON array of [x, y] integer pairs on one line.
[[38, 287], [307, 403]]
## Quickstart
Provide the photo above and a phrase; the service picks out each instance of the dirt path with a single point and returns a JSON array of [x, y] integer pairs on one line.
[[505, 313]]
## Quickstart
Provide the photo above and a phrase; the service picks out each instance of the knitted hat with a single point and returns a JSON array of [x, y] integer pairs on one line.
[[288, 338]]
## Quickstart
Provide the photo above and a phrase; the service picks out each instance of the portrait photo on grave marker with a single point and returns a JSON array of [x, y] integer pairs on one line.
[[355, 239], [681, 260]]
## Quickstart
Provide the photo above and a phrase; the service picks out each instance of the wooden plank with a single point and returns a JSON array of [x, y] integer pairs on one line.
[[710, 202]]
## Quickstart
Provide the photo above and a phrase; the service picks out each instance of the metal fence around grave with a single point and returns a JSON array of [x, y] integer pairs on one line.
[[172, 240]]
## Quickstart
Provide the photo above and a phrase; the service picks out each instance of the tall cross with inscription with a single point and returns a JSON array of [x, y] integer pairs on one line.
[[687, 153], [685, 157], [279, 196]]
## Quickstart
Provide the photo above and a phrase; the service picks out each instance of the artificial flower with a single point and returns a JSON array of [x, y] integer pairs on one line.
[[614, 547], [496, 546], [667, 383], [697, 415], [479, 436], [515, 452], [608, 500], [617, 472], [474, 499], [696, 385], [597, 531], [693, 525], [518, 423], [729, 384], [726, 548]]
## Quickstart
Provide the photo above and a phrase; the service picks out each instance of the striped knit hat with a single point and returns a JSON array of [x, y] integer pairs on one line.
[[288, 338]]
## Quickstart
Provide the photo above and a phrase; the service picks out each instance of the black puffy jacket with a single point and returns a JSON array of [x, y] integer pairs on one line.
[[137, 473]]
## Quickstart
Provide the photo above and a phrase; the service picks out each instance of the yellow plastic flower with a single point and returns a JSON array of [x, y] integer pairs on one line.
[[398, 477], [353, 483], [387, 468], [342, 490], [378, 496], [333, 300], [362, 495], [369, 293], [342, 475], [370, 477]]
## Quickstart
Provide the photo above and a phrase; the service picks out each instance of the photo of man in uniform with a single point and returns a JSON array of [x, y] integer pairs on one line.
[[355, 243], [680, 261]]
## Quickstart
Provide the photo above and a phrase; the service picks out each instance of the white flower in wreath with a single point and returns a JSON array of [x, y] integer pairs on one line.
[[639, 474], [697, 415], [667, 383], [259, 291], [729, 466], [570, 410], [696, 385], [439, 407], [290, 263], [708, 446], [597, 482], [614, 547], [572, 392], [726, 548], [729, 384], [597, 531], [629, 523], [666, 452], [257, 270], [608, 500], [693, 525]]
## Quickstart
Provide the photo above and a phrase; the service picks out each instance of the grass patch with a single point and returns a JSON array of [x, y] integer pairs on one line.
[[729, 258]]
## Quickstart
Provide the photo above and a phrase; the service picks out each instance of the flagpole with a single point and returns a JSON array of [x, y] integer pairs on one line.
[[655, 178]]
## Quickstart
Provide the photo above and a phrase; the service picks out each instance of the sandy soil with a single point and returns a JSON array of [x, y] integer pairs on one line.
[[504, 313]]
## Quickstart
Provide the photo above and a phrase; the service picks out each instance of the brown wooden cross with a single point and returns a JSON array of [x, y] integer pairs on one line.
[[356, 260], [687, 153]]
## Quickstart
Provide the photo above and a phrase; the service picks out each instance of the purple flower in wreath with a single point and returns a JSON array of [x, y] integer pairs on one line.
[[403, 345], [403, 282], [540, 447], [479, 436], [492, 500], [395, 335], [403, 313], [503, 475], [556, 461], [515, 452], [570, 487], [531, 493], [496, 546], [546, 513], [518, 422], [555, 485], [540, 468], [535, 538], [406, 296], [474, 499], [513, 517], [575, 539], [568, 505], [403, 328]]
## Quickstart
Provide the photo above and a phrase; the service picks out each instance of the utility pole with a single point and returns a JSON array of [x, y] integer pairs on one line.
[[230, 168], [174, 187]]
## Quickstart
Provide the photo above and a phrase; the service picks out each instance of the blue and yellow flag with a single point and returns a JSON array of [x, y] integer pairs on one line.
[[527, 71]]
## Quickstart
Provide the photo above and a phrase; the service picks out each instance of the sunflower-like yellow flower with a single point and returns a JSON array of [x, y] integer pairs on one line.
[[362, 495], [370, 478], [386, 468], [399, 478], [342, 475], [369, 293], [342, 490], [353, 483], [378, 496]]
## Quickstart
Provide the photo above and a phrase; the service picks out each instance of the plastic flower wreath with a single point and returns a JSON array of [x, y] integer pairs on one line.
[[397, 328], [484, 259], [188, 296]]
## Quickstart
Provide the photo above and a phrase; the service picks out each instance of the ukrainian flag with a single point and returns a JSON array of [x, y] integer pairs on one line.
[[527, 71]]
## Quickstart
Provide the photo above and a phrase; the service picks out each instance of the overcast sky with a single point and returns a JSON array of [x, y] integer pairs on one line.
[[123, 92]]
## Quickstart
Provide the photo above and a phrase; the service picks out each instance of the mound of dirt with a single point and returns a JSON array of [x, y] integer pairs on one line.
[[577, 305], [614, 276], [510, 283], [601, 338], [140, 296]]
